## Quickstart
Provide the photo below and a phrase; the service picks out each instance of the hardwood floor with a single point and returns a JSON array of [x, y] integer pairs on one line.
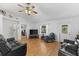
[[38, 47]]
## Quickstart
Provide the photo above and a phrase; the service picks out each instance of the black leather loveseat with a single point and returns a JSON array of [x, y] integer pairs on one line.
[[17, 51], [12, 47], [69, 49]]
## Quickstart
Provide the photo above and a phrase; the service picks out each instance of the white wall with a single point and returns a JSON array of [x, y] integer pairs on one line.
[[73, 28], [29, 25], [6, 22], [1, 23], [55, 26], [52, 27]]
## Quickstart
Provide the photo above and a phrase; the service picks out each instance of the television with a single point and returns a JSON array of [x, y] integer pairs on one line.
[[33, 31]]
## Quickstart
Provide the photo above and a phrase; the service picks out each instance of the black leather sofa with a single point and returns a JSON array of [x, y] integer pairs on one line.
[[18, 51], [12, 47], [69, 49], [72, 49]]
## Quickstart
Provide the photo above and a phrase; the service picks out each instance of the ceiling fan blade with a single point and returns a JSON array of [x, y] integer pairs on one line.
[[21, 10], [20, 6], [35, 12]]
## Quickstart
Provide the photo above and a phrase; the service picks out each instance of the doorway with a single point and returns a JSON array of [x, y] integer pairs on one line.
[[23, 32]]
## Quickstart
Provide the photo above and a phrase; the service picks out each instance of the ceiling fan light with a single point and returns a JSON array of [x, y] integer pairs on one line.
[[29, 12], [29, 9], [25, 11]]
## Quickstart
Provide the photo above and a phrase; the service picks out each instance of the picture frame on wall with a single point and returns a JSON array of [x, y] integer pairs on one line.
[[43, 29], [65, 29]]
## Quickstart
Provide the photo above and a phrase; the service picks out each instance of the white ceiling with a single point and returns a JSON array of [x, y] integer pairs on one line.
[[46, 11]]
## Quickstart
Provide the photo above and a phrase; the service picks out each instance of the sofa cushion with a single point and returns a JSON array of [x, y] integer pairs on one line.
[[69, 41], [10, 39], [2, 37], [4, 49], [12, 43], [18, 50], [72, 49]]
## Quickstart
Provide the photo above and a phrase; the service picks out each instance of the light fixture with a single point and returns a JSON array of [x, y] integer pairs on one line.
[[28, 9]]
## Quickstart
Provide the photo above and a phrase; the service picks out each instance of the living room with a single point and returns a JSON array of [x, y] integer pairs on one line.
[[43, 32]]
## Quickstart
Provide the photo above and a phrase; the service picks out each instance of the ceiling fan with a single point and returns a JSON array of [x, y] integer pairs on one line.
[[28, 9]]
